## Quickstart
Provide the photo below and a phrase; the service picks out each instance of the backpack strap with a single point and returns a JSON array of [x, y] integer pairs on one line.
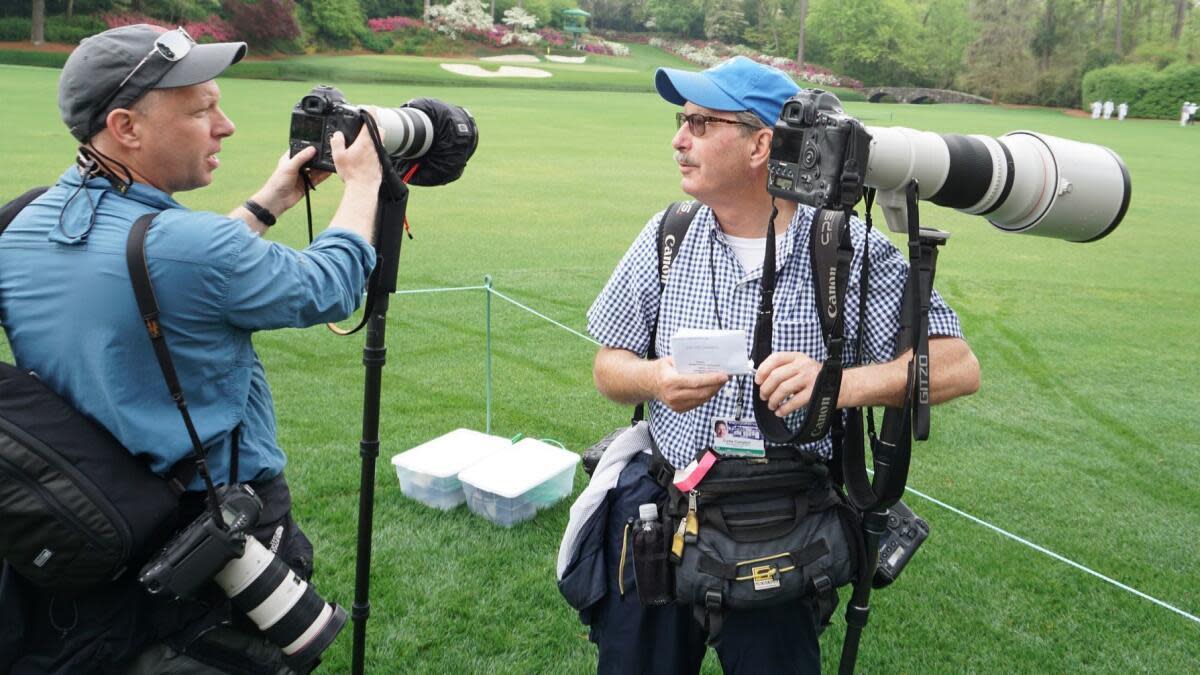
[[10, 210], [672, 228]]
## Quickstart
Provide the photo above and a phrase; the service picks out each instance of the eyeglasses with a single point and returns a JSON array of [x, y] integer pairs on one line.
[[698, 124], [172, 46]]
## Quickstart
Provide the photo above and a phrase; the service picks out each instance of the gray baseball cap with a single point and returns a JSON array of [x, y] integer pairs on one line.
[[115, 68]]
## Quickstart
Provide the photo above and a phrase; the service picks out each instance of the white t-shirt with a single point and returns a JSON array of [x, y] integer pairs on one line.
[[750, 251]]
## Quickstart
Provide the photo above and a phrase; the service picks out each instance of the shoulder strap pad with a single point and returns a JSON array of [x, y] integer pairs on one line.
[[827, 230], [672, 228], [10, 210]]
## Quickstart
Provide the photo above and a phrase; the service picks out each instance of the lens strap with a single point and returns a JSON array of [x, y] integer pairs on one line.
[[892, 448], [831, 273], [389, 227]]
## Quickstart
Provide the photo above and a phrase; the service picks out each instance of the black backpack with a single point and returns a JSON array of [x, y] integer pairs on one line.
[[76, 508]]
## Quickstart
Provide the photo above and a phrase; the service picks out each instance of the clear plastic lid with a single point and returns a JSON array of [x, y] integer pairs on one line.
[[448, 454]]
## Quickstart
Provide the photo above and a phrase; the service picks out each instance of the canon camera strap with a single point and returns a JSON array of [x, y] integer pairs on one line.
[[831, 273], [672, 228]]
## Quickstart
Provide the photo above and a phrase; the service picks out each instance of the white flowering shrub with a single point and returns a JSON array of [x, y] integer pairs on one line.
[[527, 39], [616, 48], [518, 19], [460, 16]]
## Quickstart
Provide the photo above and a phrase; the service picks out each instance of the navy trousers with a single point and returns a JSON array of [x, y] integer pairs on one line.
[[668, 640]]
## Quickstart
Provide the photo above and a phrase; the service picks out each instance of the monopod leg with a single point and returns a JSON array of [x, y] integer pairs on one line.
[[859, 608], [374, 358]]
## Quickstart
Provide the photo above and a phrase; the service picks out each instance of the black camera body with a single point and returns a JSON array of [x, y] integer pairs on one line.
[[197, 552], [905, 533], [818, 152], [319, 114]]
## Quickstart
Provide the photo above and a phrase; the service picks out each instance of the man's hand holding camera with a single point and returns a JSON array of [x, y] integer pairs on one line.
[[360, 171]]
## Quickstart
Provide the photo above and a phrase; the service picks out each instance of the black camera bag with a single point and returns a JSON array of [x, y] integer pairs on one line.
[[767, 533], [76, 508]]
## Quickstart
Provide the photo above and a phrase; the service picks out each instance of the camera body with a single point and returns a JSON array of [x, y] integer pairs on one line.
[[818, 152], [319, 114], [285, 607], [197, 552]]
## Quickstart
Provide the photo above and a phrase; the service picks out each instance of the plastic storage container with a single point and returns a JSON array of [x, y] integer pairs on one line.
[[428, 473], [510, 486]]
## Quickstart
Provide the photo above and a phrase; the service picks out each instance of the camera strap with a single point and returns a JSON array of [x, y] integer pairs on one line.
[[672, 228], [831, 273], [143, 290], [390, 223]]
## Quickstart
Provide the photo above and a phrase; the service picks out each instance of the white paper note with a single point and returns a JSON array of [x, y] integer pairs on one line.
[[699, 350]]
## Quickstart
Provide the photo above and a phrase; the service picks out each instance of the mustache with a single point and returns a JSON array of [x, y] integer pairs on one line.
[[681, 158]]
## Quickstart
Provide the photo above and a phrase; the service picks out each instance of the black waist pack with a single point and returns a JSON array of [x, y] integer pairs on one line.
[[76, 508], [756, 533]]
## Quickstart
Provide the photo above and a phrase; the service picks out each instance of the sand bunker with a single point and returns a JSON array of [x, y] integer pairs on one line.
[[565, 59], [471, 70], [514, 58]]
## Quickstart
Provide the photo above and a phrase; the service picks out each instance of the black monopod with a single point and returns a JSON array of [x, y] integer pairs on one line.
[[892, 449], [389, 233], [389, 227]]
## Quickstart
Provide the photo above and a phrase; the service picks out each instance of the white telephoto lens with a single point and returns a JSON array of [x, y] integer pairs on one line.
[[408, 132]]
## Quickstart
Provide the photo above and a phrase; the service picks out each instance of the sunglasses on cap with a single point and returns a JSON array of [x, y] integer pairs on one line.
[[698, 124], [172, 46]]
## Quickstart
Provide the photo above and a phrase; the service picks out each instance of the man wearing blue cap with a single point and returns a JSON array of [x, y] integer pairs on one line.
[[722, 148], [144, 106]]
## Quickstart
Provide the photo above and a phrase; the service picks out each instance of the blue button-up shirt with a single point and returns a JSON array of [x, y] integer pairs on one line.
[[709, 288], [68, 308]]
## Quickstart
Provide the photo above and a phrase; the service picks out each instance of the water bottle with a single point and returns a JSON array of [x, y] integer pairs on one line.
[[652, 568]]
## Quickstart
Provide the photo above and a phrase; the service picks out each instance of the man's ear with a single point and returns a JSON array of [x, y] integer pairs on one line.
[[761, 150], [124, 128]]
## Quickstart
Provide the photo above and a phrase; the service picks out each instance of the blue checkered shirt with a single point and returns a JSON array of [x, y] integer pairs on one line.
[[698, 291]]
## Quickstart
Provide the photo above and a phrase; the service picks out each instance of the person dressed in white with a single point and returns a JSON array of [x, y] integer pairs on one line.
[[1108, 109], [1122, 111], [1186, 113], [1097, 106]]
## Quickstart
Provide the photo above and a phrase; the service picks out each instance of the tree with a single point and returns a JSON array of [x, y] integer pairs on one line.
[[802, 14], [1058, 26], [1181, 12], [946, 32], [39, 22], [998, 59], [876, 41], [684, 18], [724, 21], [1117, 47]]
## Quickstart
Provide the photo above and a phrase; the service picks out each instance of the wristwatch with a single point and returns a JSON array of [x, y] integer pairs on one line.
[[264, 216]]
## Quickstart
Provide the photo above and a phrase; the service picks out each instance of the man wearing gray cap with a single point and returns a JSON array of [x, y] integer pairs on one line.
[[143, 105], [714, 281]]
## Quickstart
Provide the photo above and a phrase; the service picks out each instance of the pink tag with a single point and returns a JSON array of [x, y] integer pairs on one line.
[[688, 478]]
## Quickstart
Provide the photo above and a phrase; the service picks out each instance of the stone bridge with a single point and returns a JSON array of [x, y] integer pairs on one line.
[[919, 95]]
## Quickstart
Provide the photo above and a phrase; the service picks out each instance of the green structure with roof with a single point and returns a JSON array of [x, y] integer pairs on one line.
[[575, 23]]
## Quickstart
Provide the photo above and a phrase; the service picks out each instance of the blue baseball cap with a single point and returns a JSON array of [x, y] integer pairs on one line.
[[734, 85]]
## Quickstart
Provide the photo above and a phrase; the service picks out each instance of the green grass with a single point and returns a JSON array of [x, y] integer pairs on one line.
[[1082, 439]]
